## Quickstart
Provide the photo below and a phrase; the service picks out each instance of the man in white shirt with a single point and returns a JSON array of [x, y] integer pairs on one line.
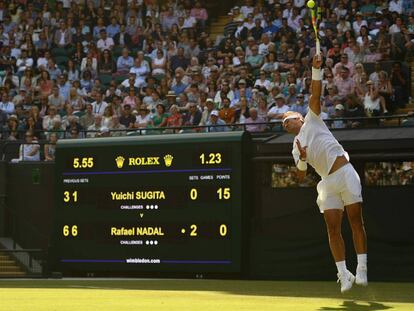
[[105, 42], [98, 106], [247, 8], [93, 130], [340, 187], [395, 6], [276, 113], [23, 62], [6, 104], [189, 21]]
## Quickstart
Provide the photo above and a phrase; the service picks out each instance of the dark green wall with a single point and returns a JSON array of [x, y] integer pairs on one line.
[[287, 235], [29, 203]]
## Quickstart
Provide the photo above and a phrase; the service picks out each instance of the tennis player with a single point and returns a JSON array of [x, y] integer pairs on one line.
[[340, 186]]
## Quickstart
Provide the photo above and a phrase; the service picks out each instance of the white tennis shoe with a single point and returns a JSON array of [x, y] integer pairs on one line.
[[347, 280], [361, 276]]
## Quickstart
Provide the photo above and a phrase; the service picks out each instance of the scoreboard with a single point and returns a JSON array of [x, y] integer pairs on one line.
[[159, 203]]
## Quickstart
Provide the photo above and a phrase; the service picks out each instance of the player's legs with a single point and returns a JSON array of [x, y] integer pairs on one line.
[[356, 221], [333, 220]]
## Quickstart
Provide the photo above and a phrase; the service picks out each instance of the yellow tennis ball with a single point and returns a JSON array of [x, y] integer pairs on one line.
[[311, 4]]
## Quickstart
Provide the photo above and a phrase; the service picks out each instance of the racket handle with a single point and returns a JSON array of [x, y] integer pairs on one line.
[[318, 48]]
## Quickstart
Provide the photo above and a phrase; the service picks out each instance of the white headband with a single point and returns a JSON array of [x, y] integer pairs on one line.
[[292, 116]]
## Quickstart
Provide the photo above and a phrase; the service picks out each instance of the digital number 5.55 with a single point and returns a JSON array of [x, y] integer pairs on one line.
[[83, 162]]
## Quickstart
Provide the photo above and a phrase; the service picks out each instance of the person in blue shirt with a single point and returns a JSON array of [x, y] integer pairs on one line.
[[180, 86], [113, 28], [217, 124]]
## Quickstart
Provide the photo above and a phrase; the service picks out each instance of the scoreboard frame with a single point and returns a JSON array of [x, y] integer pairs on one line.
[[88, 162]]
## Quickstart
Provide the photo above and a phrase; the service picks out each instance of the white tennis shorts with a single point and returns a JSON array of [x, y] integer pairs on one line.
[[341, 188]]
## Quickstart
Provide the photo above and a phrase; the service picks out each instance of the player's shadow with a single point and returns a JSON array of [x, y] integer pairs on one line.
[[349, 305]]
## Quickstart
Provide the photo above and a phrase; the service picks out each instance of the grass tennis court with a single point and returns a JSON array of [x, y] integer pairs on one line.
[[149, 294]]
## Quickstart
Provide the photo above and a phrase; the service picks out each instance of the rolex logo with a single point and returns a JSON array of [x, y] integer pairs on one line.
[[168, 160], [119, 161]]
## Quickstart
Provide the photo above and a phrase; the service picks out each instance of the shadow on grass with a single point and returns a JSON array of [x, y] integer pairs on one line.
[[353, 306], [379, 292]]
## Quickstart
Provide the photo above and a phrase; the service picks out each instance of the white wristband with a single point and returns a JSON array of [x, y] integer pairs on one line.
[[302, 165], [316, 74]]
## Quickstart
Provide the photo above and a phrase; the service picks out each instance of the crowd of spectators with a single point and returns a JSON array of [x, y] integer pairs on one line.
[[88, 68], [389, 174]]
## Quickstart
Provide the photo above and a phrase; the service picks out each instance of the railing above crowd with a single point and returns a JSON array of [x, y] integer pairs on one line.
[[40, 145]]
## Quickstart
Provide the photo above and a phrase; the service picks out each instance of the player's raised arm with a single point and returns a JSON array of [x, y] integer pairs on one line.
[[316, 86]]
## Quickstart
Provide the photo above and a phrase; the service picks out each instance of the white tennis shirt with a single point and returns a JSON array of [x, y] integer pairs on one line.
[[322, 147]]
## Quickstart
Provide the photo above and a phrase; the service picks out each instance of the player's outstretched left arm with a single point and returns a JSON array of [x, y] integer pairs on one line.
[[316, 86]]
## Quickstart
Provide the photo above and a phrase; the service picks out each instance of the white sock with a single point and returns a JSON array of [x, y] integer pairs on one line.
[[362, 260], [341, 266]]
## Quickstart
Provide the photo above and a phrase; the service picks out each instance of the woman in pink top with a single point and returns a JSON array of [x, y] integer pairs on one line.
[[130, 99]]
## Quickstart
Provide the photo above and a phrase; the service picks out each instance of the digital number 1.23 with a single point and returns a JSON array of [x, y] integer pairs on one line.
[[211, 158]]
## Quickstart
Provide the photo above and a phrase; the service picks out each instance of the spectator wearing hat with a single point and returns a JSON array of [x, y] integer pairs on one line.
[[243, 90], [143, 118], [300, 105], [275, 114], [358, 23], [215, 124], [205, 115], [339, 113], [238, 15]]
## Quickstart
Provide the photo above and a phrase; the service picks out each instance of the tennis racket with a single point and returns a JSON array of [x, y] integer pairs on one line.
[[315, 28]]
